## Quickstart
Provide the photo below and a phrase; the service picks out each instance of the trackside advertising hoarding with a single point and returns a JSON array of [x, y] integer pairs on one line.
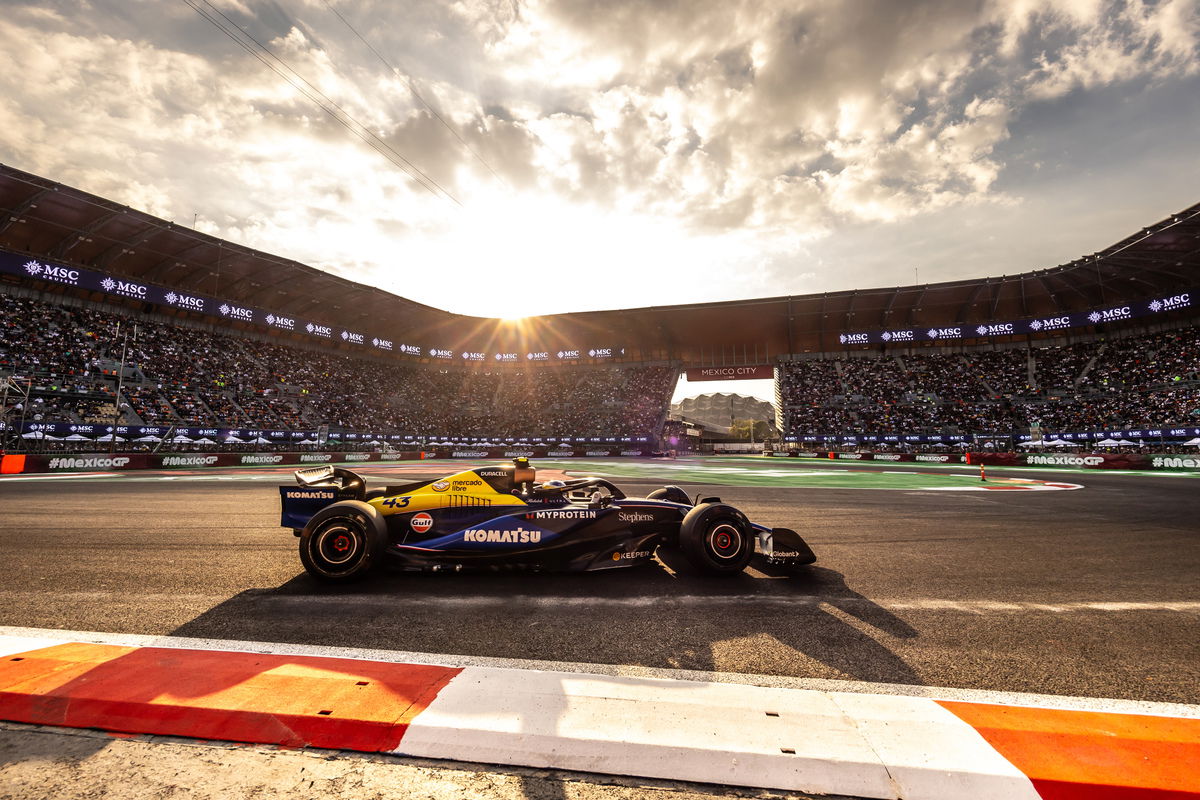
[[1139, 461]]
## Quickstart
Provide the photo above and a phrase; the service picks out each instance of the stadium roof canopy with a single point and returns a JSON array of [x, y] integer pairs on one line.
[[45, 219]]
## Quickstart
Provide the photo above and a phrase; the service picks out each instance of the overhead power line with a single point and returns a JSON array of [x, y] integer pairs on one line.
[[412, 88], [284, 70]]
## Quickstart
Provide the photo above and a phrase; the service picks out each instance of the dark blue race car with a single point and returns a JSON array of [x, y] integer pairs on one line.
[[501, 517]]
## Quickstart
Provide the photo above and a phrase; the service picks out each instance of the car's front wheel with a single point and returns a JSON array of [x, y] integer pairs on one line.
[[341, 543], [716, 539]]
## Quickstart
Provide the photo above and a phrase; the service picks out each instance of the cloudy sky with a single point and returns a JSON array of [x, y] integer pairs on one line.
[[586, 154]]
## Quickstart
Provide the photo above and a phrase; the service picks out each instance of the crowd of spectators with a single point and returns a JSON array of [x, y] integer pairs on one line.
[[193, 377], [1142, 381]]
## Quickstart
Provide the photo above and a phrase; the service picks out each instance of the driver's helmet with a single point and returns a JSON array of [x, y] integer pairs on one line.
[[554, 484]]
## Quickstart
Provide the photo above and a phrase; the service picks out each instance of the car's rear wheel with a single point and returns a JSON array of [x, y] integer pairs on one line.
[[340, 543], [716, 539]]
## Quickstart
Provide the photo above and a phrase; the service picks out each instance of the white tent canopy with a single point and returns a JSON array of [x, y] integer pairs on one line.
[[148, 438], [39, 435], [76, 437], [108, 437], [1193, 442], [1107, 443]]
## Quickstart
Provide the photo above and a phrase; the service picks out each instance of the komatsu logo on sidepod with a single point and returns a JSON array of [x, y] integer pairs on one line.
[[518, 536]]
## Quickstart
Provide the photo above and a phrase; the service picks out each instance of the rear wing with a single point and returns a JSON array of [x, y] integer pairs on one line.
[[299, 503]]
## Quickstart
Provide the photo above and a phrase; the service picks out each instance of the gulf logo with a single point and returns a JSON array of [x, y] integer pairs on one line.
[[421, 522]]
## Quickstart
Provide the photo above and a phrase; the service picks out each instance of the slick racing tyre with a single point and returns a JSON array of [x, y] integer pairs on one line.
[[716, 539], [342, 542]]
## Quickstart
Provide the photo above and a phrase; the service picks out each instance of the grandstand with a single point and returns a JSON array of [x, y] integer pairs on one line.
[[112, 317]]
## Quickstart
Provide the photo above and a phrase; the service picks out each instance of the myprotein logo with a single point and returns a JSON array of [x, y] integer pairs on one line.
[[1064, 461], [855, 338], [945, 333], [51, 272], [93, 462], [518, 536], [1171, 303], [999, 329], [565, 514], [125, 288], [318, 457], [1111, 315], [185, 301], [237, 312], [898, 336], [189, 461], [284, 323], [261, 459]]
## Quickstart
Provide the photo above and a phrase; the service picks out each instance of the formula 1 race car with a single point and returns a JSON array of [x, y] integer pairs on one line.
[[500, 517]]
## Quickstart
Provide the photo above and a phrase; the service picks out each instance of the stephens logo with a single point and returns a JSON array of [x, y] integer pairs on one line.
[[421, 522], [236, 312], [185, 301], [1171, 303], [126, 288], [633, 517], [518, 536], [52, 272]]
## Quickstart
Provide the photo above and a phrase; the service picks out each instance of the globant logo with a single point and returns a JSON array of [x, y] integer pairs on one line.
[[1171, 303], [53, 273]]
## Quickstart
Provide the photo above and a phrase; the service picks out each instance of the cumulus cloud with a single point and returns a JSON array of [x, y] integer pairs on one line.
[[753, 128]]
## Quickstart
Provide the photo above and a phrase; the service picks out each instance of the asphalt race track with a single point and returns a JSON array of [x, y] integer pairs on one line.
[[1088, 592]]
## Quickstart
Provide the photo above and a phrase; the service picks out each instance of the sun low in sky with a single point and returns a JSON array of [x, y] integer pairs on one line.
[[520, 158]]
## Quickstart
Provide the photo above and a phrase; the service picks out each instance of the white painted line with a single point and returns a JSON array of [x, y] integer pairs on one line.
[[747, 679]]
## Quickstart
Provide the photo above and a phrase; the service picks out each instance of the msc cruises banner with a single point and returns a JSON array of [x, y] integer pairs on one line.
[[40, 269], [1129, 435]]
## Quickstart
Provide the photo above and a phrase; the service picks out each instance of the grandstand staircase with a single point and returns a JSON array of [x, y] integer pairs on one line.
[[1089, 366]]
